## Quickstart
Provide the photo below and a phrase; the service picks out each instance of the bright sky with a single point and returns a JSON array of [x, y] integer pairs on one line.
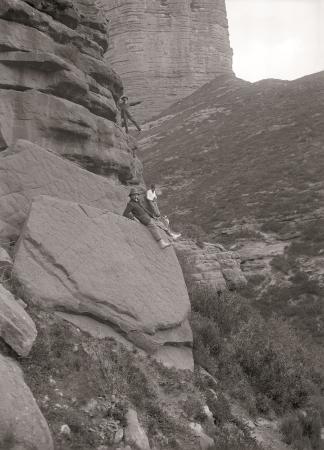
[[276, 38]]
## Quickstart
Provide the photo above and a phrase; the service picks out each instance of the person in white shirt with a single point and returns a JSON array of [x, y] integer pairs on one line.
[[160, 221], [151, 198]]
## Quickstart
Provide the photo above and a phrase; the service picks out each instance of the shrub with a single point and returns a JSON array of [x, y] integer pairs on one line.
[[193, 407], [302, 429], [206, 332], [273, 359], [260, 362], [219, 407], [226, 441]]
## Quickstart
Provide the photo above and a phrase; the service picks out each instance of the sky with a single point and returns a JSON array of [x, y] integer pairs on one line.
[[276, 38]]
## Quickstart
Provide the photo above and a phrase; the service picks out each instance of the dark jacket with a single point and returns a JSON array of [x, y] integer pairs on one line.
[[134, 209]]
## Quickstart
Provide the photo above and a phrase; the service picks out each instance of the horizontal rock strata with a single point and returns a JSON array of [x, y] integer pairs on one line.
[[70, 130], [164, 50], [81, 260], [57, 91], [28, 170]]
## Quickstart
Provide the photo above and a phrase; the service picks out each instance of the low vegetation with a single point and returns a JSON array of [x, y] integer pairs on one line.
[[259, 362]]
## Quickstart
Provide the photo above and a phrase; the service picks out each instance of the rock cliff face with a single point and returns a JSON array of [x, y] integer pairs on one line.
[[164, 50], [56, 90], [58, 103]]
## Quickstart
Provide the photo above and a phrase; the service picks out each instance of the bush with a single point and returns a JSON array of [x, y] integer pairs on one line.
[[207, 333], [219, 407], [302, 430], [274, 361], [260, 362], [229, 442]]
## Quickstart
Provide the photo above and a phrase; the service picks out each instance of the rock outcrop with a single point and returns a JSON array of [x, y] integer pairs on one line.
[[28, 170], [16, 327], [164, 50], [22, 425], [210, 265], [82, 260], [56, 90]]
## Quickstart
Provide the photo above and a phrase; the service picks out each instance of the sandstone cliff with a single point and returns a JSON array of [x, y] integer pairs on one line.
[[56, 90], [58, 103], [164, 50]]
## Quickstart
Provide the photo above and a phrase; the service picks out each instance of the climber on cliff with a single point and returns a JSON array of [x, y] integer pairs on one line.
[[124, 105], [134, 210]]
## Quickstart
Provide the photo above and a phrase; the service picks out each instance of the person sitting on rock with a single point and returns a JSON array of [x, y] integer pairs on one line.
[[134, 210], [151, 198], [124, 105]]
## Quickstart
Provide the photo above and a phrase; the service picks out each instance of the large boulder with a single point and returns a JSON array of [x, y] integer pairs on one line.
[[28, 170], [82, 260], [17, 329], [22, 425]]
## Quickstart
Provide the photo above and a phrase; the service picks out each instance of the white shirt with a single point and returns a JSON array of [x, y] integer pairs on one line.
[[150, 195]]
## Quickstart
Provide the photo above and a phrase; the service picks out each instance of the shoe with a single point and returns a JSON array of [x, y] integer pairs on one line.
[[175, 236], [163, 244]]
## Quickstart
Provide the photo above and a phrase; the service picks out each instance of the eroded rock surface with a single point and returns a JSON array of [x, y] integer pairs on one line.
[[57, 91], [165, 50], [82, 260], [27, 170], [22, 425], [17, 329], [210, 265]]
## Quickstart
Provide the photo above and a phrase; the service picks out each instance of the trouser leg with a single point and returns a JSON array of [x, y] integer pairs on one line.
[[154, 208], [126, 123], [163, 227], [131, 118], [154, 231]]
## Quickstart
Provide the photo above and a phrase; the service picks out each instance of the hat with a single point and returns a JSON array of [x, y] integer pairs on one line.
[[123, 96], [133, 191]]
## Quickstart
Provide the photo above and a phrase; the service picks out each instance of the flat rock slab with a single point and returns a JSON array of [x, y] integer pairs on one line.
[[17, 328], [22, 424], [78, 259], [28, 170]]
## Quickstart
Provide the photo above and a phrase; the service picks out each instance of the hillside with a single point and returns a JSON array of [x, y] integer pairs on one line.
[[243, 163], [235, 149]]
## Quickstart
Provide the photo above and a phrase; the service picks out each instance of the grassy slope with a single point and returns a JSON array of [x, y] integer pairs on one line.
[[236, 153], [235, 149]]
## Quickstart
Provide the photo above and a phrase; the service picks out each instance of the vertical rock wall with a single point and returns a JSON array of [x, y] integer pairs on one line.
[[165, 49], [56, 89]]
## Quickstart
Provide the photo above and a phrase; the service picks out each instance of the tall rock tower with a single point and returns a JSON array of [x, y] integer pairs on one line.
[[165, 49]]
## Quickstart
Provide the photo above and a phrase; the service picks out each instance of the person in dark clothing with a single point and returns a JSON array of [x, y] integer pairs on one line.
[[135, 211], [124, 105]]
